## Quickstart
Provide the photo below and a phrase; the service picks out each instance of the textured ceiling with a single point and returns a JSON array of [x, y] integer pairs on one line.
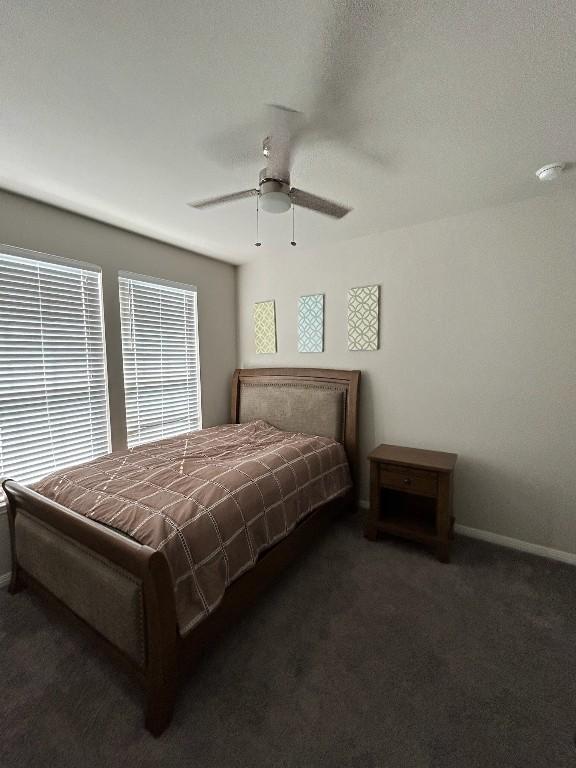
[[126, 110]]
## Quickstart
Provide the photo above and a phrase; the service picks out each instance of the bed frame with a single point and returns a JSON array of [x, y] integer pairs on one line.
[[123, 590]]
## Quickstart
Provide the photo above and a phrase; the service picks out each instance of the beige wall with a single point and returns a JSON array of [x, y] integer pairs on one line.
[[477, 353], [478, 341], [29, 224]]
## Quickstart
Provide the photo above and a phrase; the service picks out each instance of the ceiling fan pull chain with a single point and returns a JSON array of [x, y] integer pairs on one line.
[[257, 243], [293, 236]]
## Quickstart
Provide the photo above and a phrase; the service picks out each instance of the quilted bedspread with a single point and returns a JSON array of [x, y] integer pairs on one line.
[[212, 500]]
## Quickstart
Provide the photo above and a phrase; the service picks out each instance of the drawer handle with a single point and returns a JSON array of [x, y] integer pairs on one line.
[[406, 481]]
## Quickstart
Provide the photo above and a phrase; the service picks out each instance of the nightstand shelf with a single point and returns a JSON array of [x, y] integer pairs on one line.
[[411, 496], [402, 512]]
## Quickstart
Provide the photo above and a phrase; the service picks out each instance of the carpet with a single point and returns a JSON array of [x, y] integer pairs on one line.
[[366, 654]]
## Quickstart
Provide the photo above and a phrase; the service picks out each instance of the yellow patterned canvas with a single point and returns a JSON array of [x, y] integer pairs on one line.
[[265, 327]]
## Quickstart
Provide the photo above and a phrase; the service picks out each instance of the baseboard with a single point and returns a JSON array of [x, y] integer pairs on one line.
[[522, 546], [507, 541], [5, 579]]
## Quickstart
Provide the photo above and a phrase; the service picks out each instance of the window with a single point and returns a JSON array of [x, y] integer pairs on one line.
[[53, 390], [160, 350]]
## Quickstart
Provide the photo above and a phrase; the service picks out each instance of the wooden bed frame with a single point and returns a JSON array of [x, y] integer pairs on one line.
[[167, 655]]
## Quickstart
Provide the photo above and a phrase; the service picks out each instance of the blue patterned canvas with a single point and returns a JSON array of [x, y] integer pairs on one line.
[[311, 323]]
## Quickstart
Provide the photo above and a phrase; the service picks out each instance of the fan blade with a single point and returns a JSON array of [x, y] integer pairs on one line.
[[319, 204], [224, 199], [242, 144], [352, 36], [283, 124]]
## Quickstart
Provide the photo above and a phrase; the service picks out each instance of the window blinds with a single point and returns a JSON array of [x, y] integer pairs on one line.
[[53, 391], [161, 363]]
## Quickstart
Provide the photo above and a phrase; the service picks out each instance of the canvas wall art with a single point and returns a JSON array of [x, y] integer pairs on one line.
[[311, 323], [265, 327], [363, 318]]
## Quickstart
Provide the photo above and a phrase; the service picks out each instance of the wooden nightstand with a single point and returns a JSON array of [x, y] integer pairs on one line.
[[411, 496]]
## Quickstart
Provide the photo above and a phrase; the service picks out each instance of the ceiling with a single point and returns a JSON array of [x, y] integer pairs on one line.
[[126, 111]]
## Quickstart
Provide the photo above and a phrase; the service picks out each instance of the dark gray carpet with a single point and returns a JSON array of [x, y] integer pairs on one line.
[[364, 654]]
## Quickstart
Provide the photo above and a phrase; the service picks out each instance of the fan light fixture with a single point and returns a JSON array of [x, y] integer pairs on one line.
[[550, 172], [275, 202]]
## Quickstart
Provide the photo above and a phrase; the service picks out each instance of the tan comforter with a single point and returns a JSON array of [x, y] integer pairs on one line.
[[212, 500]]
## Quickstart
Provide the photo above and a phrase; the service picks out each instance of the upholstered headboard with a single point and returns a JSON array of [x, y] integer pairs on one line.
[[316, 401]]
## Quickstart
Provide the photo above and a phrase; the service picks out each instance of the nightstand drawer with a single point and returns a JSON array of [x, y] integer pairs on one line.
[[408, 479]]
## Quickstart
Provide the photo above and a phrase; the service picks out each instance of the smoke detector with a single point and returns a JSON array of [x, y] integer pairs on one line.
[[550, 172]]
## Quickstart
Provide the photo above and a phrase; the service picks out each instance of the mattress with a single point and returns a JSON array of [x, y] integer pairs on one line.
[[212, 500]]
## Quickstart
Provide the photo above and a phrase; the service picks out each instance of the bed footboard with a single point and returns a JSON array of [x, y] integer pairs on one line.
[[120, 588], [104, 595]]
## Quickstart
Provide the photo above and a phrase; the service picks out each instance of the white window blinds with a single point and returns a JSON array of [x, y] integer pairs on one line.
[[161, 363], [53, 391]]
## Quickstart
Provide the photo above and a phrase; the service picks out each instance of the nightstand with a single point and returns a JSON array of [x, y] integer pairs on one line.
[[411, 496]]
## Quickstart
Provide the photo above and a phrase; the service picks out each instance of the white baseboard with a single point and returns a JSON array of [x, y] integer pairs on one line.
[[4, 580], [523, 546], [507, 541]]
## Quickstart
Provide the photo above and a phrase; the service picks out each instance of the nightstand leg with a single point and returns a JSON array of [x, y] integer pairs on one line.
[[443, 519], [373, 515], [370, 532], [443, 552]]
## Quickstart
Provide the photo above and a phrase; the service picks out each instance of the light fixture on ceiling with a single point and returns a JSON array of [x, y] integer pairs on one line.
[[550, 172], [274, 193], [275, 196]]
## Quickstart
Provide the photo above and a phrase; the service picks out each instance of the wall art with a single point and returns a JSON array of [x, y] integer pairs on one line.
[[311, 323], [363, 305], [265, 327]]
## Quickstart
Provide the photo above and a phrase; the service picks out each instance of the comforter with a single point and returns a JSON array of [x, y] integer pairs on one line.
[[212, 500]]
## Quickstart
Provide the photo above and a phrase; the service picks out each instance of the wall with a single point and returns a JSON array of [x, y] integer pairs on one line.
[[477, 354], [40, 227]]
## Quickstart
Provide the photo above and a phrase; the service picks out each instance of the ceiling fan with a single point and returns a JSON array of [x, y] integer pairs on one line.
[[275, 195], [350, 35]]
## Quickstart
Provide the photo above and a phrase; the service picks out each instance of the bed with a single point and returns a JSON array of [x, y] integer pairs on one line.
[[110, 563]]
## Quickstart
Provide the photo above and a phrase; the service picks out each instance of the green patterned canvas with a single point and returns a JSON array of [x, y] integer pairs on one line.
[[363, 318], [311, 323], [265, 327]]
